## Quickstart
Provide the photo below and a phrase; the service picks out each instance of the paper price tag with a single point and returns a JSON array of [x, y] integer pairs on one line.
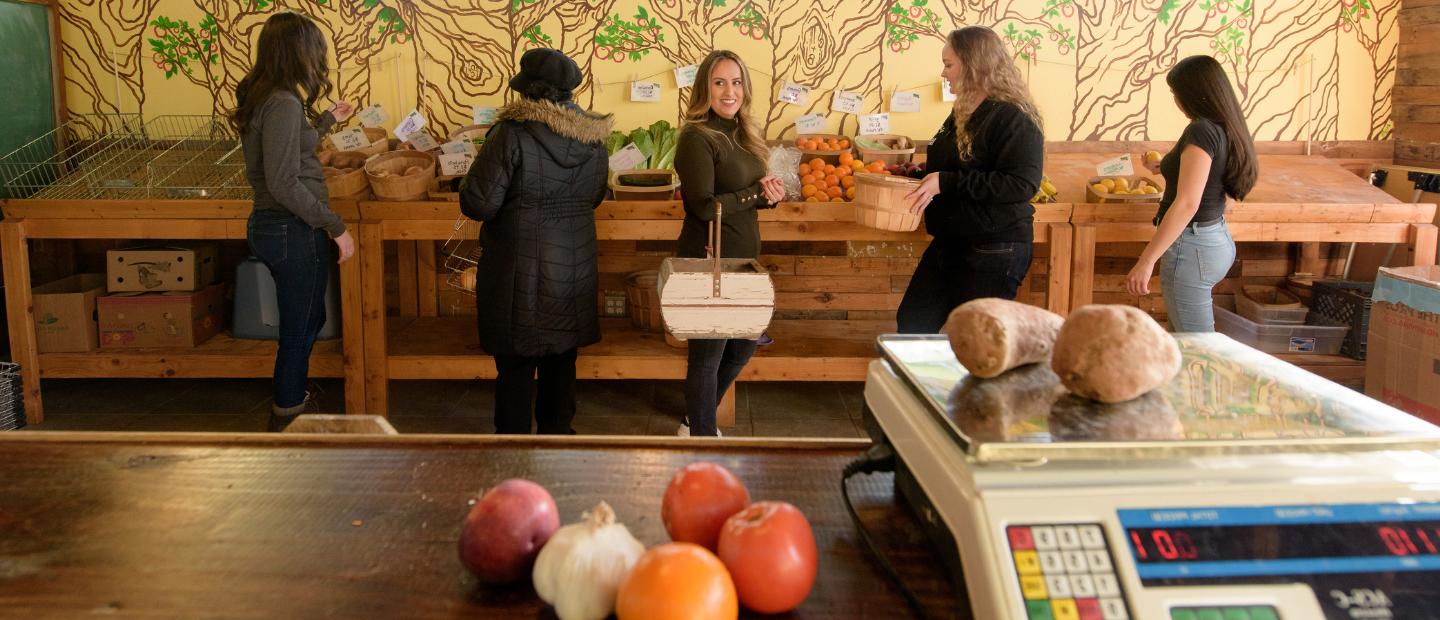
[[907, 101], [810, 124], [411, 124], [458, 146], [373, 116], [628, 158], [645, 91], [685, 76], [793, 94], [847, 102], [482, 115], [872, 124], [455, 164], [945, 94], [1118, 167], [352, 139], [423, 141]]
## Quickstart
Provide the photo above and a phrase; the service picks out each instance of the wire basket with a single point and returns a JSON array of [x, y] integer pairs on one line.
[[462, 255], [74, 159], [115, 156], [12, 401]]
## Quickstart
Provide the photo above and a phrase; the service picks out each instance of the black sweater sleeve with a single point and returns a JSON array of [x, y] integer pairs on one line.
[[1019, 148]]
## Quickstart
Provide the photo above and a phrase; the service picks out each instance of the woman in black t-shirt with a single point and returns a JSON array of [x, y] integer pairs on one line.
[[1213, 161]]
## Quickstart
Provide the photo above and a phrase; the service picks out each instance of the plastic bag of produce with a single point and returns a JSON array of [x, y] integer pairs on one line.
[[785, 165]]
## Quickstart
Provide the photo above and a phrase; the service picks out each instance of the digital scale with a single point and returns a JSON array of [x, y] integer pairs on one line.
[[1245, 489]]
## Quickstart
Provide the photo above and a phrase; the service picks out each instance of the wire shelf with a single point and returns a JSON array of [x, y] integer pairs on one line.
[[462, 254], [12, 401], [115, 156]]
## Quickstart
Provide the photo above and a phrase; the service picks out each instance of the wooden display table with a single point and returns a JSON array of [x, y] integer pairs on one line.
[[254, 526], [430, 347], [220, 357]]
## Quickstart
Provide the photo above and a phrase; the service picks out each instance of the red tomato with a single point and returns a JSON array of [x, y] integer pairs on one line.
[[770, 552], [697, 502], [677, 581]]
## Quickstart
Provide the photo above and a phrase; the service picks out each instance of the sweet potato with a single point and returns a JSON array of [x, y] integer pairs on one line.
[[1113, 353], [990, 336]]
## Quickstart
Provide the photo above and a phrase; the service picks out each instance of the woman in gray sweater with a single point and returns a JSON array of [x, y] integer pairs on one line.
[[292, 225]]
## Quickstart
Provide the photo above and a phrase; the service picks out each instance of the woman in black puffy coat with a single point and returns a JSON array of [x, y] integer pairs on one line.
[[535, 185]]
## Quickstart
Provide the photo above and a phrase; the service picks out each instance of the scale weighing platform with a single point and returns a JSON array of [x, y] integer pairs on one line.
[[1245, 489]]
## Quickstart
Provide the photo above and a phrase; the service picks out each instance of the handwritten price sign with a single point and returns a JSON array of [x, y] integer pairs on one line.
[[352, 139]]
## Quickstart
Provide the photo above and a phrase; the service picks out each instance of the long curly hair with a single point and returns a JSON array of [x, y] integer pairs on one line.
[[290, 56], [986, 68], [698, 111]]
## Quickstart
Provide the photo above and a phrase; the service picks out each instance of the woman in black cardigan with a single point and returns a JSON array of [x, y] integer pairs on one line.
[[984, 165]]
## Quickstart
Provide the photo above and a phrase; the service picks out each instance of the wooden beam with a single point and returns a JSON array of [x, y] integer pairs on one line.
[[725, 409], [1058, 264], [371, 249], [408, 278], [1422, 243], [427, 271], [352, 326], [20, 314], [1082, 270], [131, 229]]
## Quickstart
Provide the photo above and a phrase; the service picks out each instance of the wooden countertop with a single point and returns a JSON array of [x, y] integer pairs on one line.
[[265, 526]]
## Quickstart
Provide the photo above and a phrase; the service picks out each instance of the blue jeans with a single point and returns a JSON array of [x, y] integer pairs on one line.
[[953, 272], [300, 259], [1189, 270]]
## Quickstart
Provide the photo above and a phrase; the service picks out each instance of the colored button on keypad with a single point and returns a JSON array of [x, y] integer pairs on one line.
[[1065, 609], [1089, 609], [1027, 563], [1020, 538], [1033, 587], [1039, 610]]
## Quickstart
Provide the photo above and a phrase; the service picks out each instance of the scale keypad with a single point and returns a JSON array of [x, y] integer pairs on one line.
[[1066, 572]]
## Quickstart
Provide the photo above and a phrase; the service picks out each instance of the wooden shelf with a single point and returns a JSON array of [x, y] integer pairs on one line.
[[448, 348], [220, 357]]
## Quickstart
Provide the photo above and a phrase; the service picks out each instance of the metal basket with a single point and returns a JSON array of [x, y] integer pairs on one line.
[[462, 254], [115, 156], [12, 401]]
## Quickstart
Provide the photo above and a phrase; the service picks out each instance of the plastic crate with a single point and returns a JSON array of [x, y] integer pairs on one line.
[[1320, 339], [1348, 303]]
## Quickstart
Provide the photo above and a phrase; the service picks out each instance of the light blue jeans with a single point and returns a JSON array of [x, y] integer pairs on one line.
[[1189, 270]]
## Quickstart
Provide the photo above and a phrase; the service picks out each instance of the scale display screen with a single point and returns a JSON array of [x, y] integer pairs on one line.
[[1362, 560]]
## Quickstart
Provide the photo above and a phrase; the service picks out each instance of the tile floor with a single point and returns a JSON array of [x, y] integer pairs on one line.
[[762, 409]]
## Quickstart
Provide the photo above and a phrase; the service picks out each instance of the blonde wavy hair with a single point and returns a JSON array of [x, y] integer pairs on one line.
[[698, 111], [986, 69]]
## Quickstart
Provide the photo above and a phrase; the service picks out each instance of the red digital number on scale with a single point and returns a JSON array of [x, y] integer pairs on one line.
[[1404, 541], [1170, 546]]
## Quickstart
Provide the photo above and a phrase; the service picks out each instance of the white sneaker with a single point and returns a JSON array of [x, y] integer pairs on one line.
[[684, 431]]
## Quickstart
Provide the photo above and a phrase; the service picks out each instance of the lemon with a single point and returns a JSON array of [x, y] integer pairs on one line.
[[1122, 183], [1153, 156], [1109, 184], [1100, 188]]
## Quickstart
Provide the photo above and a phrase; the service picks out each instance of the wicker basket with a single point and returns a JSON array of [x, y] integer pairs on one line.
[[379, 142], [642, 292], [346, 184], [830, 157], [1109, 197], [470, 133], [387, 178], [664, 191], [901, 149], [880, 202]]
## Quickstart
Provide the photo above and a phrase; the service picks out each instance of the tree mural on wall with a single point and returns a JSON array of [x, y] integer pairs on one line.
[[827, 47], [102, 54]]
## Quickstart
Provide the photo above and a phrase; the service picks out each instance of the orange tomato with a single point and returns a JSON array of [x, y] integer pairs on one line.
[[677, 581], [832, 191], [832, 181], [846, 159], [847, 182], [804, 169]]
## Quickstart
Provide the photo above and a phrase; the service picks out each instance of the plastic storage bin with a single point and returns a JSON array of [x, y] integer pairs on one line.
[[257, 315], [1323, 339], [1270, 315]]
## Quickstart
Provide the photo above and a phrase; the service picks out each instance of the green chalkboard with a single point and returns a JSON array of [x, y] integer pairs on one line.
[[25, 46]]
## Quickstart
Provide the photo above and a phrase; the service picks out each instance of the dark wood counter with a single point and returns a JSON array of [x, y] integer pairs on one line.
[[257, 526]]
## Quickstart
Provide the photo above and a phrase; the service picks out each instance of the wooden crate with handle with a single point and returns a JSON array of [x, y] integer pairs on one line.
[[715, 297]]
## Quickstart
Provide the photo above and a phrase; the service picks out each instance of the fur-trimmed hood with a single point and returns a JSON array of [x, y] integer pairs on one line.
[[569, 133]]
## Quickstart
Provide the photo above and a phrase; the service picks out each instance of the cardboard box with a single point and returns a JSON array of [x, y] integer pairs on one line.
[[140, 320], [144, 270], [65, 313], [1402, 368]]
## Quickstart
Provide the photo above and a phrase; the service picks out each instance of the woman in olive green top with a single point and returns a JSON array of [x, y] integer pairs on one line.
[[720, 158]]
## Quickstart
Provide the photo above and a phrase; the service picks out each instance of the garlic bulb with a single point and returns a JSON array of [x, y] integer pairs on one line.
[[580, 569]]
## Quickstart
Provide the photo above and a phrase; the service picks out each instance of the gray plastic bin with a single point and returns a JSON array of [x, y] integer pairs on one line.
[[257, 315]]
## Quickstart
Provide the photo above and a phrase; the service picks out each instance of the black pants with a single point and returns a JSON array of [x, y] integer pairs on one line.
[[954, 272], [516, 384], [300, 259], [711, 369]]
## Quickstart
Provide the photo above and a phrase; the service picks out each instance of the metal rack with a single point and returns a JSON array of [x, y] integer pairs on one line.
[[12, 406], [115, 156], [462, 254]]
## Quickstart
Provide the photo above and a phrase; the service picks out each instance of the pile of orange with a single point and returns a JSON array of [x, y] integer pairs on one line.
[[822, 144], [822, 182]]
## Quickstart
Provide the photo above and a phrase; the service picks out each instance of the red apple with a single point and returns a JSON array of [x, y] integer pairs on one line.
[[506, 529]]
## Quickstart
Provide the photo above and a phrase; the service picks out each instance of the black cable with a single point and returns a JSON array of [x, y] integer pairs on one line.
[[879, 458]]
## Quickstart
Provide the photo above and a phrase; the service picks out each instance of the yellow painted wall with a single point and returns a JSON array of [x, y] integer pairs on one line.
[[1320, 69]]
